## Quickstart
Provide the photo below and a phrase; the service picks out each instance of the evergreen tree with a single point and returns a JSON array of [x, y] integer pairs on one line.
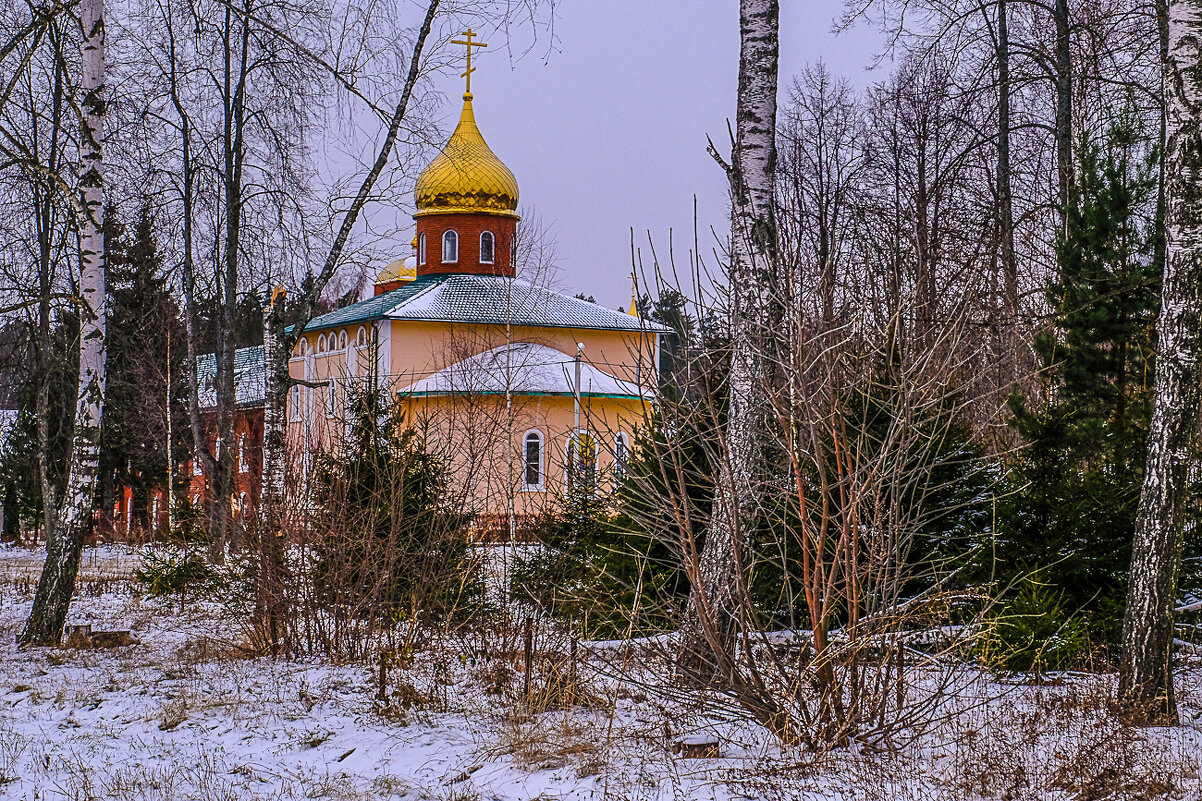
[[145, 345], [392, 546], [19, 463], [1076, 486]]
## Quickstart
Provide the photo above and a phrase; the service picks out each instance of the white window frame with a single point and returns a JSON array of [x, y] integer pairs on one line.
[[321, 344], [621, 454], [331, 399], [243, 464], [342, 339], [421, 248], [493, 247], [454, 236], [294, 404], [542, 460]]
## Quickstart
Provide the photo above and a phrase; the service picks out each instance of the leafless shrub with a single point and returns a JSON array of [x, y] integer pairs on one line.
[[871, 493]]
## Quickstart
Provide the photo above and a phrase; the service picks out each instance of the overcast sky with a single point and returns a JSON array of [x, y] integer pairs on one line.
[[608, 131]]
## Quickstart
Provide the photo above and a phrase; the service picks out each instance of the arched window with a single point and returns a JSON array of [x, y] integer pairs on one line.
[[487, 247], [330, 398], [294, 404], [450, 247], [243, 463], [582, 462], [321, 344], [361, 337], [532, 460], [421, 249], [243, 503], [342, 339], [302, 347], [621, 455]]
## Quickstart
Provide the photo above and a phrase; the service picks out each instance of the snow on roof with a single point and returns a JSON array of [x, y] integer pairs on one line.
[[249, 386], [532, 370], [483, 299]]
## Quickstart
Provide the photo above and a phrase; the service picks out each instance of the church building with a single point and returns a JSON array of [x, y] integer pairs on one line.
[[520, 388]]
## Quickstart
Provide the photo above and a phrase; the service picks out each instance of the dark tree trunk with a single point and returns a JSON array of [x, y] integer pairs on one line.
[[1005, 199], [1064, 106]]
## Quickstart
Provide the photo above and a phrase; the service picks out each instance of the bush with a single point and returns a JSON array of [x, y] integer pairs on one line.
[[169, 569], [392, 546], [1034, 631]]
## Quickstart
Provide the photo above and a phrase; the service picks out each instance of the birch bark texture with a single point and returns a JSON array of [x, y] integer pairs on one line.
[[1145, 670], [64, 543], [708, 632]]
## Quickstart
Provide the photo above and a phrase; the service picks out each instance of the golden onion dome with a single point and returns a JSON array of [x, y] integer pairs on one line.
[[466, 176], [403, 270]]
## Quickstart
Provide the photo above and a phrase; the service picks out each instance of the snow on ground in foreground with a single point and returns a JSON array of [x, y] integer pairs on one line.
[[182, 716]]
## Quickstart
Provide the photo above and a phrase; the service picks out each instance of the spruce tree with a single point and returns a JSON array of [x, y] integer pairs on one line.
[[145, 345], [1070, 518]]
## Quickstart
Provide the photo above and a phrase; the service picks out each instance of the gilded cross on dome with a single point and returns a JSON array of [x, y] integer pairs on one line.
[[469, 33]]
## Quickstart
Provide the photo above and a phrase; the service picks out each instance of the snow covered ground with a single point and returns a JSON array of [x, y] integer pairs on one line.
[[185, 714]]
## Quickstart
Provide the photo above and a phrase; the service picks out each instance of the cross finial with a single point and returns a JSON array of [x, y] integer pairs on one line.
[[469, 44], [634, 291]]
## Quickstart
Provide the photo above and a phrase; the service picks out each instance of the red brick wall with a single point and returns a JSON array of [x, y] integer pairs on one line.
[[247, 421], [469, 227]]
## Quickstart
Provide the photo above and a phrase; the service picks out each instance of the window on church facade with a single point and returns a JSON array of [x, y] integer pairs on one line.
[[294, 404], [532, 460], [342, 339], [582, 463], [243, 463], [487, 247], [621, 455], [330, 399], [421, 249], [450, 247], [321, 344]]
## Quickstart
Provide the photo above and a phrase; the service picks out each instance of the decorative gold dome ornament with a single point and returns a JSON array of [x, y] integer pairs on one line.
[[402, 270], [467, 176]]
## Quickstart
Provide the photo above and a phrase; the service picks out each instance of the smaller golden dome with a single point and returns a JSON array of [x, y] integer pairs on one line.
[[402, 270], [466, 176]]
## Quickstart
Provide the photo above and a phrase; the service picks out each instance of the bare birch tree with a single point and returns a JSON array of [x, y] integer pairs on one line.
[[65, 543], [709, 628], [1146, 669]]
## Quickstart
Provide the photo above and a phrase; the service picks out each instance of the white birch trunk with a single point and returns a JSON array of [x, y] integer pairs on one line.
[[65, 543], [1145, 674], [708, 631]]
